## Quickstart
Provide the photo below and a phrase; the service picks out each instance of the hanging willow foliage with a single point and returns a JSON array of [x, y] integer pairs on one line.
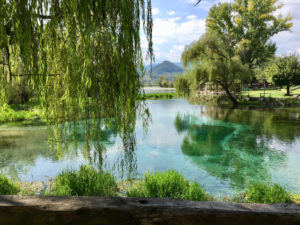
[[83, 57]]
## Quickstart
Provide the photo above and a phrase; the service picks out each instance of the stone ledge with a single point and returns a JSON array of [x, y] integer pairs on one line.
[[131, 211]]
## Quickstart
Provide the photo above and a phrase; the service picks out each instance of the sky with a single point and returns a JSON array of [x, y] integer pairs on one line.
[[177, 23]]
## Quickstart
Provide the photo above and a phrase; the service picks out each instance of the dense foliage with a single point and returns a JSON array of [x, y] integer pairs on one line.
[[263, 193], [237, 41], [83, 58], [84, 182], [169, 184], [218, 61], [182, 86], [285, 71], [249, 24], [8, 187]]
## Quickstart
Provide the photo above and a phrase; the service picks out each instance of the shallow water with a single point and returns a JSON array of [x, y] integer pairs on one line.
[[222, 149]]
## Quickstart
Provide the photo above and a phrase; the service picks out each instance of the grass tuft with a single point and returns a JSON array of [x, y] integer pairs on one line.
[[263, 193], [85, 182], [8, 187], [169, 184]]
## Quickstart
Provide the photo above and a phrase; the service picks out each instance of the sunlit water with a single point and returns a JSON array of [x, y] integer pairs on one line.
[[222, 149]]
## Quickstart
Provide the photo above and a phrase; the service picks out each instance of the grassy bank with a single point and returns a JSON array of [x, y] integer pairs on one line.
[[19, 113], [170, 184], [270, 93], [157, 96]]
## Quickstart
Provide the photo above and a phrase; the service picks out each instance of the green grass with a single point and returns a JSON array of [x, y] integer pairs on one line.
[[84, 182], [295, 198], [274, 93], [10, 114], [8, 187], [263, 193], [169, 184], [156, 96]]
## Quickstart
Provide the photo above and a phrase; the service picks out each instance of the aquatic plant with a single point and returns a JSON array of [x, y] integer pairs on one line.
[[8, 186], [264, 193], [84, 182], [169, 184]]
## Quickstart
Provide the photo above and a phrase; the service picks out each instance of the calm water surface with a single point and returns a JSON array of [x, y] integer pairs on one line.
[[222, 149]]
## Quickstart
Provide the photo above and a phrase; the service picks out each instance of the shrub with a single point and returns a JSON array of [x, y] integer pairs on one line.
[[169, 184], [84, 182], [8, 187], [263, 193]]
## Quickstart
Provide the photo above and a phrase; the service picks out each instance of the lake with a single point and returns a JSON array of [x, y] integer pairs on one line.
[[221, 148]]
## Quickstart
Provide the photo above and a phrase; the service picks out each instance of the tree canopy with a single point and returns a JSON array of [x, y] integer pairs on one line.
[[250, 24], [285, 71], [83, 57], [216, 61]]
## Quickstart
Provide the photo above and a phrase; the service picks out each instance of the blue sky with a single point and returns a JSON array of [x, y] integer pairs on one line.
[[178, 22]]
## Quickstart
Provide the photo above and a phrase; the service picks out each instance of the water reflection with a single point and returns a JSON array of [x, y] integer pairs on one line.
[[228, 149], [20, 149], [220, 148]]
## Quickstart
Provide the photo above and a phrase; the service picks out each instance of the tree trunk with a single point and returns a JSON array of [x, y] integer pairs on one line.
[[232, 99], [288, 90]]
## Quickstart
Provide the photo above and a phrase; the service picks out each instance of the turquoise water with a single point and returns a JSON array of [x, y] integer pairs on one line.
[[222, 149]]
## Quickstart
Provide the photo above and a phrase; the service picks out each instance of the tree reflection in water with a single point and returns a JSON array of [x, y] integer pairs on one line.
[[234, 145]]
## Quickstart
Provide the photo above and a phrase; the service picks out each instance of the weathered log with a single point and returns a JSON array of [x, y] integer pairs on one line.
[[101, 211]]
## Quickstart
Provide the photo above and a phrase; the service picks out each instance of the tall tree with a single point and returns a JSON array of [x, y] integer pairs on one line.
[[218, 62], [250, 24], [82, 55], [285, 71]]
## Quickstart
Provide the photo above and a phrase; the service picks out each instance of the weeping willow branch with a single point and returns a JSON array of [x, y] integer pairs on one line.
[[94, 46]]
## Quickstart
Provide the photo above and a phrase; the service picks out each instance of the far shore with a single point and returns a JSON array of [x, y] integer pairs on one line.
[[158, 90]]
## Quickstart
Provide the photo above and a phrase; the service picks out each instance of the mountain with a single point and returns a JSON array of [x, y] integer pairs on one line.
[[166, 68]]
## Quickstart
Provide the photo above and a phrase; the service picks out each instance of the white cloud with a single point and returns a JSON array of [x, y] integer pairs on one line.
[[298, 50], [180, 32], [173, 34], [289, 41], [155, 11], [171, 13], [173, 54], [191, 17]]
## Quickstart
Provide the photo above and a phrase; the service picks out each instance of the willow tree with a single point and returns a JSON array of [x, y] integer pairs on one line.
[[83, 57], [217, 62]]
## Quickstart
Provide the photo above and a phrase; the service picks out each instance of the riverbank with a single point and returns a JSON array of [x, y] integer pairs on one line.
[[169, 184], [245, 100]]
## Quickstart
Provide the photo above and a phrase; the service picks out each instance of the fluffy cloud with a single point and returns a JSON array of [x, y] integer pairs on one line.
[[171, 13], [175, 33], [155, 11], [289, 41], [173, 54], [172, 29]]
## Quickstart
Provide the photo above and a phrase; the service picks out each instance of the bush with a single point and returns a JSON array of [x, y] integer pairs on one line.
[[8, 187], [263, 193], [7, 114], [84, 182], [169, 184]]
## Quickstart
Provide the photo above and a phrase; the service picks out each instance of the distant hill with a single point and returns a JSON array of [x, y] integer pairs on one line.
[[166, 68]]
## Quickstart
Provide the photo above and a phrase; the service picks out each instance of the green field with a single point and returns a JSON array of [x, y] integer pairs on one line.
[[274, 93]]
